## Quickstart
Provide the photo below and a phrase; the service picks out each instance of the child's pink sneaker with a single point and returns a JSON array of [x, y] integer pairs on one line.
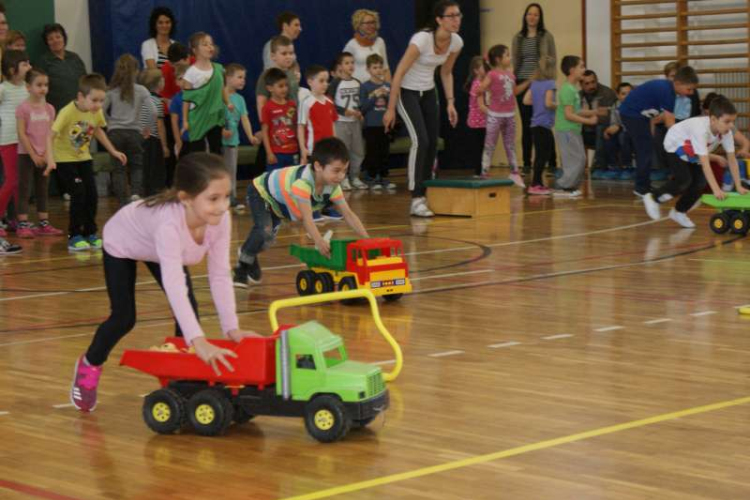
[[47, 230], [25, 231], [539, 191], [85, 382], [517, 179]]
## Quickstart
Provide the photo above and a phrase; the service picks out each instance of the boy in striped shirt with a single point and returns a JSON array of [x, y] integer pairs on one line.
[[293, 193]]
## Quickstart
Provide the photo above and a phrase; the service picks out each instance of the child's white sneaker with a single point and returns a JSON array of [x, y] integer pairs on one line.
[[419, 208], [358, 184], [681, 219], [652, 207], [345, 185]]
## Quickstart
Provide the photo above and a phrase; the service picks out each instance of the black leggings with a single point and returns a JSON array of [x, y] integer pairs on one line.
[[213, 137], [119, 275], [421, 115], [544, 149], [688, 181]]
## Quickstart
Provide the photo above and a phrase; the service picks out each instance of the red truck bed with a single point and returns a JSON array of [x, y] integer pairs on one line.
[[255, 363]]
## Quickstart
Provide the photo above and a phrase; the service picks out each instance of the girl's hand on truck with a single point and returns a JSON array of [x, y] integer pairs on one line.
[[213, 355], [238, 335]]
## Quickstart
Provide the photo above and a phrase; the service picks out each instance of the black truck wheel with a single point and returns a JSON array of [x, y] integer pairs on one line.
[[393, 297], [164, 411], [326, 419], [739, 223], [323, 283], [306, 282], [346, 284], [210, 412], [719, 223]]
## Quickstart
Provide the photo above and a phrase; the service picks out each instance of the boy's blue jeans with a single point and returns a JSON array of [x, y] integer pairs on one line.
[[265, 226], [283, 160]]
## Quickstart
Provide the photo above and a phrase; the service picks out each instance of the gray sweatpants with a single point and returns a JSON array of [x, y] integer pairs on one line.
[[573, 155], [230, 160], [351, 134]]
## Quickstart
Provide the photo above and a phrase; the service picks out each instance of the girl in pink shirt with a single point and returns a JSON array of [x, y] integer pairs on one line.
[[500, 82], [167, 232], [477, 118]]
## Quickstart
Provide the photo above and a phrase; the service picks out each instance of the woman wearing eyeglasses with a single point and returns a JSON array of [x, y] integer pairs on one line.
[[530, 45], [366, 24], [413, 93]]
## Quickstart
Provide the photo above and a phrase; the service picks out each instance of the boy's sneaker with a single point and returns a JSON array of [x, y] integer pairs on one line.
[[345, 185], [85, 382], [681, 219], [317, 216], [25, 231], [376, 185], [419, 208], [8, 248], [539, 191], [358, 184], [567, 193], [244, 274], [517, 179], [387, 184], [78, 244], [95, 242], [44, 228], [652, 207], [330, 213], [727, 188]]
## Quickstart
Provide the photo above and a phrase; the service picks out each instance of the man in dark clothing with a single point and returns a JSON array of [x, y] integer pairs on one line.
[[596, 96]]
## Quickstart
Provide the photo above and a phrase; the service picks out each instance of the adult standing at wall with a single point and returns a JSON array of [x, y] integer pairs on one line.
[[413, 90], [290, 26], [366, 24], [530, 45], [161, 26], [64, 67]]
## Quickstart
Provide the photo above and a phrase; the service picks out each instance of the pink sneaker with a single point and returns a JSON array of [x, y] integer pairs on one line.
[[85, 382], [47, 230], [540, 191], [517, 179], [25, 232]]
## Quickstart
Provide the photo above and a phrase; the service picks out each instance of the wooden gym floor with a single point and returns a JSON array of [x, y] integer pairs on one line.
[[571, 350]]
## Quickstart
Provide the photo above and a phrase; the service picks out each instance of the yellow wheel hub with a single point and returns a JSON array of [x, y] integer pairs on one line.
[[303, 284], [204, 414], [718, 223], [161, 412], [738, 224], [318, 287], [324, 420]]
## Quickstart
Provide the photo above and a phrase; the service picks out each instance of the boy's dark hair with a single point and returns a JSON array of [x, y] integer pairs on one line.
[[329, 150], [622, 86], [568, 63], [279, 41], [314, 70], [54, 28], [374, 59], [706, 105], [11, 60], [721, 106], [92, 81], [232, 68], [177, 52], [340, 58], [155, 15], [496, 53], [285, 17], [33, 74], [687, 76], [272, 76]]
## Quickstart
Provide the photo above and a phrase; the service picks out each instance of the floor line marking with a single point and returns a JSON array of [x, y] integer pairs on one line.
[[703, 313], [741, 306], [386, 362], [657, 321], [503, 344], [609, 328], [520, 450], [3, 413], [444, 354], [33, 491], [64, 405], [555, 337], [452, 274], [21, 342]]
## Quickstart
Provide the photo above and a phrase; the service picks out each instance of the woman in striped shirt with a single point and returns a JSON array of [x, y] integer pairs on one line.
[[161, 26], [530, 45]]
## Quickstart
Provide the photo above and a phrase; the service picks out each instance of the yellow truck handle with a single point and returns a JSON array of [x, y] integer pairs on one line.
[[333, 296]]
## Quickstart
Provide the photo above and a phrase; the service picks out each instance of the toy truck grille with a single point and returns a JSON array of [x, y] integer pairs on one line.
[[375, 384]]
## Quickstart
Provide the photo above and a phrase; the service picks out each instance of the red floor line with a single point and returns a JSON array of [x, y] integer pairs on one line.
[[33, 491]]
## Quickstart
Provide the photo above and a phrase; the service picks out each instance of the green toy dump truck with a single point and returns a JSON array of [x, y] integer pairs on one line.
[[733, 215]]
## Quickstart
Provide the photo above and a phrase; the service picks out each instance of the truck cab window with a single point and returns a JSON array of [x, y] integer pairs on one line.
[[305, 361]]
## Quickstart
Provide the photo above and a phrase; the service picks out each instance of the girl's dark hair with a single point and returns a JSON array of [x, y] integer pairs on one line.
[[155, 14], [496, 53], [285, 17], [54, 28], [177, 52], [192, 175], [11, 60], [329, 150], [126, 72], [475, 62], [33, 74], [539, 27], [437, 11]]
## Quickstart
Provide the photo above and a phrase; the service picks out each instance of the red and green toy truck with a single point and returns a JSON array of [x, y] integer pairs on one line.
[[377, 264], [299, 371]]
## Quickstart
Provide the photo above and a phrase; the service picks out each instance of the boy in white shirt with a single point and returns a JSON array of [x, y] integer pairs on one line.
[[688, 145]]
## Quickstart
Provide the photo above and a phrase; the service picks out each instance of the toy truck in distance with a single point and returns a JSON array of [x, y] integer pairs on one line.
[[733, 215], [300, 371], [374, 263]]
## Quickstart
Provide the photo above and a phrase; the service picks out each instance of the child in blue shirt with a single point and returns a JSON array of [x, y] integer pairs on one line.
[[373, 102], [175, 111]]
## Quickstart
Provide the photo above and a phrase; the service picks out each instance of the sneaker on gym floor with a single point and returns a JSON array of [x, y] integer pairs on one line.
[[387, 184], [330, 213], [652, 207], [419, 208], [95, 242], [376, 185], [25, 231], [317, 216], [345, 185], [44, 228], [85, 382], [8, 248], [681, 219], [517, 179], [567, 193], [78, 244], [358, 184], [539, 191], [245, 274]]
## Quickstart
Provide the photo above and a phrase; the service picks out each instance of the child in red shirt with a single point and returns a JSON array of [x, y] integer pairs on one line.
[[279, 123]]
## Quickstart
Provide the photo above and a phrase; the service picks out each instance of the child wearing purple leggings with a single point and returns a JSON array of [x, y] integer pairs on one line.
[[500, 82]]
